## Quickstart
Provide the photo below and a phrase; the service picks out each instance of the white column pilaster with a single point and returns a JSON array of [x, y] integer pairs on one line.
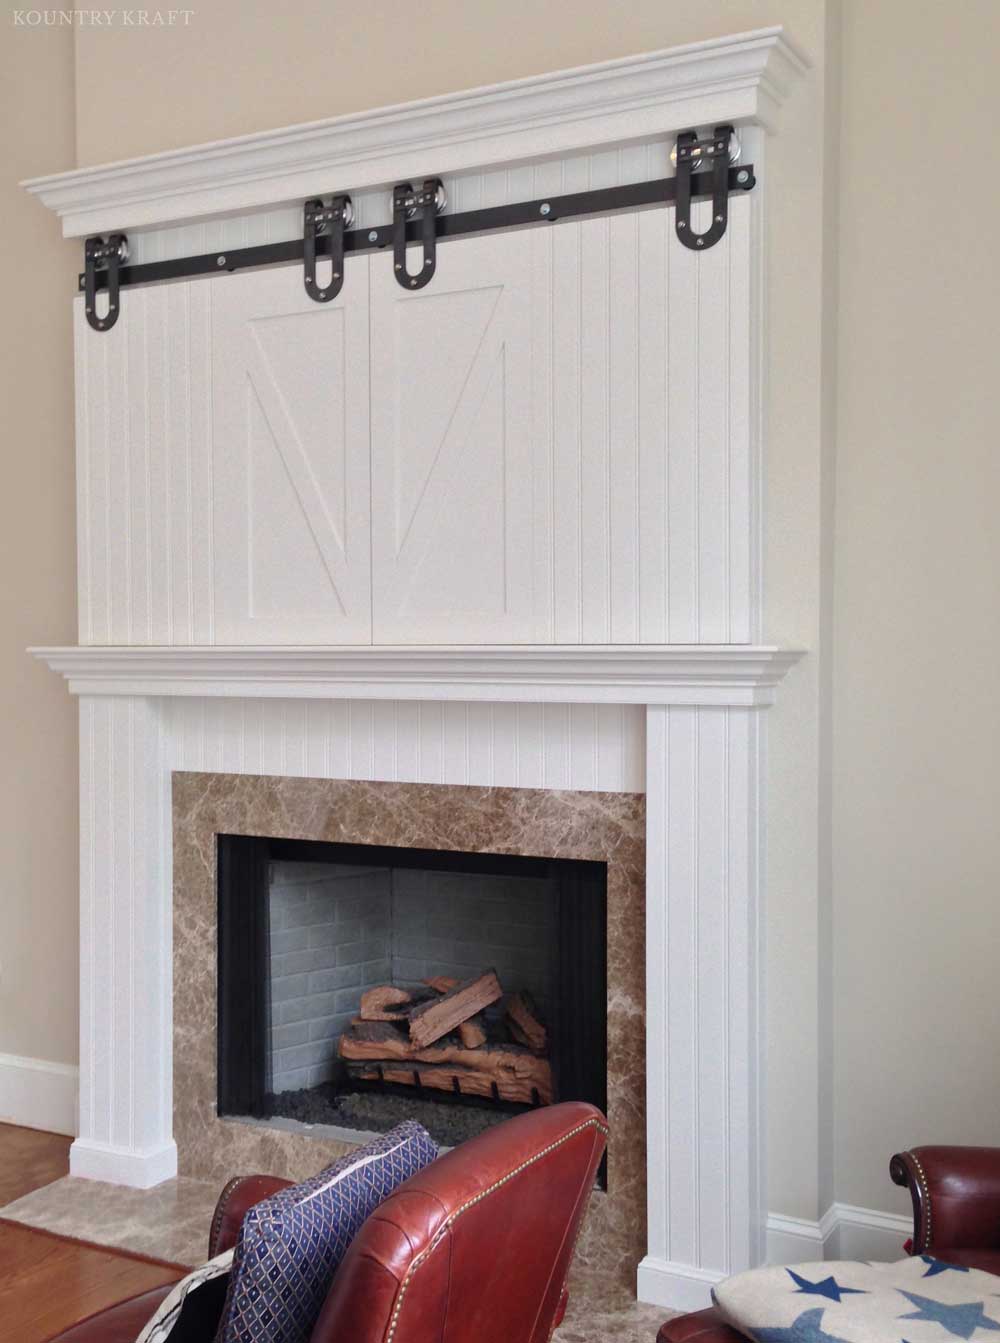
[[125, 1133], [703, 959]]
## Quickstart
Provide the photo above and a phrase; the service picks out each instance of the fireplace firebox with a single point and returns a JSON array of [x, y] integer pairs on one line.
[[363, 984]]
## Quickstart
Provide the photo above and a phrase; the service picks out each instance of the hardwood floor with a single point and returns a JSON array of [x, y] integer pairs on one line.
[[30, 1159], [48, 1283]]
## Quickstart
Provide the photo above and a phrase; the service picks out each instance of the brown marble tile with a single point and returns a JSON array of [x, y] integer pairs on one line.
[[169, 1222], [606, 827]]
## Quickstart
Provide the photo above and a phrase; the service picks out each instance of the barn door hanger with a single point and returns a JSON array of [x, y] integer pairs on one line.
[[318, 221], [427, 203], [104, 255], [716, 152]]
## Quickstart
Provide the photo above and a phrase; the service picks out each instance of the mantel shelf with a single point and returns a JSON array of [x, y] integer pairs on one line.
[[680, 674]]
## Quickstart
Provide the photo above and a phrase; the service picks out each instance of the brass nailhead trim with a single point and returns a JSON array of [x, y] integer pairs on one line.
[[220, 1209], [925, 1187], [453, 1217]]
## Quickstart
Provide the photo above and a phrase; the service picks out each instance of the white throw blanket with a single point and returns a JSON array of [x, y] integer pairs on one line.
[[161, 1325], [918, 1300]]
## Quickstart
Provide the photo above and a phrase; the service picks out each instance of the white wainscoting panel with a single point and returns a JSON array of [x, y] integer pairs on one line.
[[290, 462], [563, 445], [591, 747], [452, 452], [703, 1046], [144, 471], [126, 1009]]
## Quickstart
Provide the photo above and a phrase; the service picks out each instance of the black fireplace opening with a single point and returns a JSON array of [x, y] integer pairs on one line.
[[359, 985]]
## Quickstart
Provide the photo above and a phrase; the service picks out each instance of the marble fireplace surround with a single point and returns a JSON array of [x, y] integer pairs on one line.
[[548, 823]]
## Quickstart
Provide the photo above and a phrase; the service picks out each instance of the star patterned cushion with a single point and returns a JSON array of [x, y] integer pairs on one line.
[[918, 1300], [290, 1245]]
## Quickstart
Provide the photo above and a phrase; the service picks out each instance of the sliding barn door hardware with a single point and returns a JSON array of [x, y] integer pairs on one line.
[[689, 153], [104, 255], [416, 223], [424, 206], [325, 221]]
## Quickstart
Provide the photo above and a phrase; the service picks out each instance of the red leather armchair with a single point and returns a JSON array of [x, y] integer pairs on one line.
[[956, 1202], [956, 1217], [476, 1248]]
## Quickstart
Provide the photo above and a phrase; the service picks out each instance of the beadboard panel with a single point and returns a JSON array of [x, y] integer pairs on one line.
[[373, 208], [290, 462], [144, 471], [589, 747], [616, 427], [703, 1041], [125, 942]]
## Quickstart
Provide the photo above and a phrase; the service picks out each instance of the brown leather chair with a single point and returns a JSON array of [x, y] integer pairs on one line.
[[956, 1217], [475, 1248]]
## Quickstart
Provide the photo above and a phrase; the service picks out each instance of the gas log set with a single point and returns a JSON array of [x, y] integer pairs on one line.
[[467, 1038]]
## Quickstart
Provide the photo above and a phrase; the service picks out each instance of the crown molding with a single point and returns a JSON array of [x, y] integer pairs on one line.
[[740, 78], [739, 675]]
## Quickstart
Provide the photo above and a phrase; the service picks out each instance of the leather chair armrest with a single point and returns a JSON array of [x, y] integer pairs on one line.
[[956, 1196], [235, 1201]]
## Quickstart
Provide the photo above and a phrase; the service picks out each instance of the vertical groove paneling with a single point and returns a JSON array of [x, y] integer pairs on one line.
[[702, 958], [125, 1097], [581, 746], [641, 525]]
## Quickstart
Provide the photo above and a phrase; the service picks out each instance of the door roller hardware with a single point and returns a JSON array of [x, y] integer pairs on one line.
[[418, 221], [104, 255], [320, 220], [690, 153], [424, 205]]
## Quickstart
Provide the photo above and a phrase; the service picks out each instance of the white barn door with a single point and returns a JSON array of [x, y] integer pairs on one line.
[[451, 448], [291, 460]]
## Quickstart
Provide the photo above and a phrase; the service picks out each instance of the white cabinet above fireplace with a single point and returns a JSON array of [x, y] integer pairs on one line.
[[551, 443]]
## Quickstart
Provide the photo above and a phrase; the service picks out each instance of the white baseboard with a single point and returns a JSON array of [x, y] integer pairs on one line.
[[793, 1240], [118, 1165], [676, 1286], [864, 1233], [37, 1094], [843, 1232]]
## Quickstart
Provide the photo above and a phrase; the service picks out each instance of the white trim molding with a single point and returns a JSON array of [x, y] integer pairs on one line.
[[743, 77], [38, 1094], [736, 675], [89, 1160], [843, 1232], [864, 1233]]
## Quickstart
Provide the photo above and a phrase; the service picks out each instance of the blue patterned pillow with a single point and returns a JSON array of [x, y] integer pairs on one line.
[[290, 1245]]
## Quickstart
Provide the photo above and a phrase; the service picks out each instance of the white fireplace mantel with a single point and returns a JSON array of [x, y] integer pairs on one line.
[[673, 550], [741, 78], [735, 675]]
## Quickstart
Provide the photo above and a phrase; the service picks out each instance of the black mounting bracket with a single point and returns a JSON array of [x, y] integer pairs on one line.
[[425, 204], [692, 153], [331, 220], [104, 255]]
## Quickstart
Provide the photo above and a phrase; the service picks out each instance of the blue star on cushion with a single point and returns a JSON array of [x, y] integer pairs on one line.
[[939, 1266], [962, 1320], [806, 1329], [828, 1287]]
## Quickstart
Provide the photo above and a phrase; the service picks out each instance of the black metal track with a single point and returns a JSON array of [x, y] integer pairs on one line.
[[547, 210]]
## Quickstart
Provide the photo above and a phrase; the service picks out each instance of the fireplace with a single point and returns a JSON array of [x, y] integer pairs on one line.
[[362, 984]]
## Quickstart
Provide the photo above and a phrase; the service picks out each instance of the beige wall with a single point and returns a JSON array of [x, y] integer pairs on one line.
[[38, 784], [916, 709]]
